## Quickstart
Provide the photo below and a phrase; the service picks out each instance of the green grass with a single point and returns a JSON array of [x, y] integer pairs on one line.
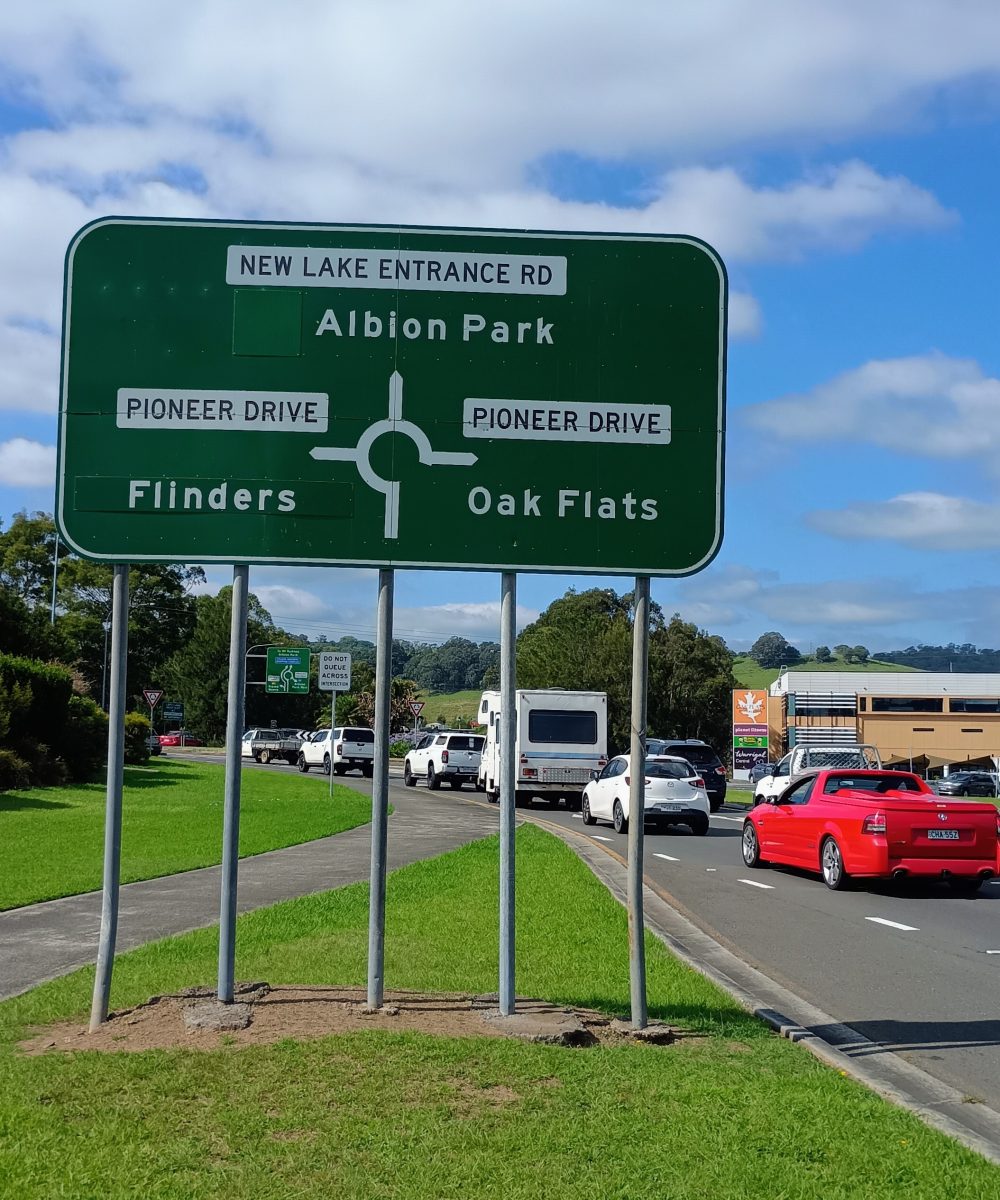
[[733, 1113], [749, 674], [53, 838], [450, 708]]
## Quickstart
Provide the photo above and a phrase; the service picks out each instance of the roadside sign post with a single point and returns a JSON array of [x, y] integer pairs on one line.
[[334, 676], [231, 813], [113, 802], [416, 707], [637, 803], [508, 784], [241, 392], [380, 793]]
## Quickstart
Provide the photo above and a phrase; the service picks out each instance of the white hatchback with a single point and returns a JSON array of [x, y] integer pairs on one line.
[[675, 794]]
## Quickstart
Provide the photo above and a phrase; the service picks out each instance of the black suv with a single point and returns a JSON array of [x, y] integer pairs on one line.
[[702, 757]]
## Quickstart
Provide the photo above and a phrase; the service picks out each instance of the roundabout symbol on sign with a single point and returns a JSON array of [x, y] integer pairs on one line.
[[393, 423]]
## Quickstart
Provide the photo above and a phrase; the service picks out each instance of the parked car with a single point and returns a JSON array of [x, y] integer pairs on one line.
[[153, 744], [180, 737], [675, 794], [702, 757], [351, 748], [874, 825], [967, 783], [453, 757], [759, 770]]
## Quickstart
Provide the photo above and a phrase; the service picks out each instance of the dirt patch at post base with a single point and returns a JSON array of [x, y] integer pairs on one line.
[[312, 1011]]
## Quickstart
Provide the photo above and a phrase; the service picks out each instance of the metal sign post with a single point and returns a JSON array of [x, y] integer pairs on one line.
[[113, 803], [334, 676], [637, 805], [231, 817], [380, 793], [508, 727]]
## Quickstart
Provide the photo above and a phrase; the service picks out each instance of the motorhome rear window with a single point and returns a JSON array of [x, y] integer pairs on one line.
[[547, 725]]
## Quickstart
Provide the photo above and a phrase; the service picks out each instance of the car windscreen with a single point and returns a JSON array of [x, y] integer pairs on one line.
[[667, 770], [465, 743], [359, 735], [701, 756], [550, 725], [870, 783]]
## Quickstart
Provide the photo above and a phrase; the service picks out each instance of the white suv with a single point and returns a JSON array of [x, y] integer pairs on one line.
[[348, 749], [439, 756]]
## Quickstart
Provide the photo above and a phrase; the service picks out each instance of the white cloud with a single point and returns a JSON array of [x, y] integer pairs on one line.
[[292, 603], [24, 463], [930, 405], [923, 520], [29, 369], [745, 319], [421, 89]]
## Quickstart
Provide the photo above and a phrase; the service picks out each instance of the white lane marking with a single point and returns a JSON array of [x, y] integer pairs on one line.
[[893, 924], [711, 868], [993, 882], [668, 857], [993, 951], [597, 837], [721, 817], [754, 883], [577, 816]]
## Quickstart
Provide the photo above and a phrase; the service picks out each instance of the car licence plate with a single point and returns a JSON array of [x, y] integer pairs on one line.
[[466, 770], [668, 808], [943, 835]]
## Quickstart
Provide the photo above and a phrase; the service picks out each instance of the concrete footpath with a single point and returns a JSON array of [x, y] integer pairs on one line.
[[42, 941]]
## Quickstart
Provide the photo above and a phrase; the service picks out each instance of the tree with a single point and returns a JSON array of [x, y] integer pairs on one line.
[[402, 692], [823, 654], [583, 641], [859, 654], [773, 650], [842, 651], [27, 632]]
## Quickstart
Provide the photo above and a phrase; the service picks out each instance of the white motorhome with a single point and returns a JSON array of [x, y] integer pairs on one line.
[[562, 737]]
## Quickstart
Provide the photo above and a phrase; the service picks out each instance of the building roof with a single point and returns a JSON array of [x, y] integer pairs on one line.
[[887, 683]]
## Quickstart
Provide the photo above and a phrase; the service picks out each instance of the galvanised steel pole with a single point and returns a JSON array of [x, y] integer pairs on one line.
[[380, 793], [637, 804], [113, 803], [508, 737], [55, 571], [235, 711]]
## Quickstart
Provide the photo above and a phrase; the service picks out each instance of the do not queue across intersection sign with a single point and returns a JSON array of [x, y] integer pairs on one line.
[[257, 393]]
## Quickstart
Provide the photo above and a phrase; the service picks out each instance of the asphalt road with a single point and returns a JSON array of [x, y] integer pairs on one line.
[[907, 966]]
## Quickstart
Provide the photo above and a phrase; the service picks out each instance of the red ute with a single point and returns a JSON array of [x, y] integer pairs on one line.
[[875, 825]]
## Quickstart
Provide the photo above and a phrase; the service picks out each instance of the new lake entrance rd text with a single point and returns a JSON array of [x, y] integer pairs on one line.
[[314, 394]]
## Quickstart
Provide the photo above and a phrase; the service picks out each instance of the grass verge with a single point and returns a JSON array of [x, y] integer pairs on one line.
[[733, 1112], [53, 838]]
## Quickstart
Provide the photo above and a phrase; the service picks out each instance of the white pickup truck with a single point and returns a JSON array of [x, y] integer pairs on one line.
[[814, 758], [444, 757], [347, 749]]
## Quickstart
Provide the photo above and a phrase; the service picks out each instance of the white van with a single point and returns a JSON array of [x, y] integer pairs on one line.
[[349, 749], [562, 737]]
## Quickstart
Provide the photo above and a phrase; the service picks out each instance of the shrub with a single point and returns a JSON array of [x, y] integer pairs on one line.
[[14, 771], [84, 742], [137, 730], [399, 749]]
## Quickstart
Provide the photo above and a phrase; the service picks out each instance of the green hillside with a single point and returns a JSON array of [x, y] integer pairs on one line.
[[750, 674]]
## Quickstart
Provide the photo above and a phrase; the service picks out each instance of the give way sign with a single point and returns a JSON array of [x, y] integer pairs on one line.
[[416, 706], [153, 696]]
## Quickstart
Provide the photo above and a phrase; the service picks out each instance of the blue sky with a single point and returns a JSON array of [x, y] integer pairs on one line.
[[842, 156]]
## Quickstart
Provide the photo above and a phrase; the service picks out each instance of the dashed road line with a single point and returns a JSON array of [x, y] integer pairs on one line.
[[710, 869], [667, 857], [753, 883], [723, 817], [893, 924]]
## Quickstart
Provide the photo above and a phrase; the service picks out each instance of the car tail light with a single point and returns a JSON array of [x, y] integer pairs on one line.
[[444, 756], [874, 823], [699, 782], [602, 762], [720, 770], [340, 749], [530, 772], [998, 826]]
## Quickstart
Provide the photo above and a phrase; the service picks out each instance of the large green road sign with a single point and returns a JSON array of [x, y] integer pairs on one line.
[[287, 669], [392, 396]]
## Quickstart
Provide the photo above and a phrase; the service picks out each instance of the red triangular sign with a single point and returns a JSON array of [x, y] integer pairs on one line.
[[153, 696], [416, 706]]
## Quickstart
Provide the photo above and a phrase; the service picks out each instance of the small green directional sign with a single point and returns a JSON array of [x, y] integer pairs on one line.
[[264, 393], [287, 669]]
